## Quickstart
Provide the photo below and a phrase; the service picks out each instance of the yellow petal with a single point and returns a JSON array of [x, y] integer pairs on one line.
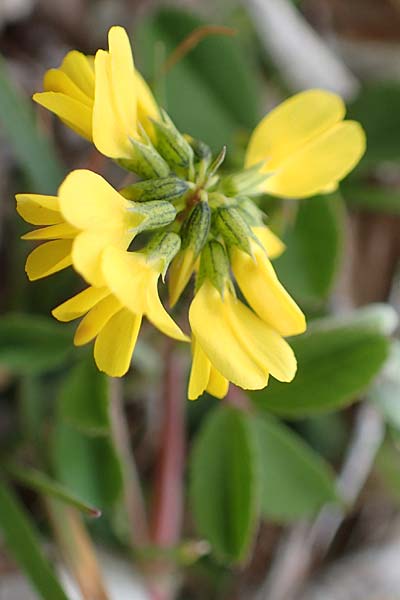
[[179, 273], [128, 276], [134, 282], [274, 247], [157, 315], [109, 134], [123, 78], [48, 258], [89, 202], [80, 304], [53, 232], [266, 346], [96, 319], [217, 384], [38, 209], [115, 343], [210, 324], [77, 115], [147, 107], [291, 125], [80, 70], [58, 81], [265, 294], [200, 371], [87, 251], [320, 164]]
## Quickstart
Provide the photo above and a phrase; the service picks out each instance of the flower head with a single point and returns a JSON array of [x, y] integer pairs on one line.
[[304, 147]]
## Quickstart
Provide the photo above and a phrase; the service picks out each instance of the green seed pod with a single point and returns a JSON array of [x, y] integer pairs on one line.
[[164, 188], [235, 231], [155, 214], [196, 227], [145, 161], [171, 144], [214, 265], [163, 247]]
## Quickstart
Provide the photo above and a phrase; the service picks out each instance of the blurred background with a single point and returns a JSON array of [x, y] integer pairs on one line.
[[342, 259]]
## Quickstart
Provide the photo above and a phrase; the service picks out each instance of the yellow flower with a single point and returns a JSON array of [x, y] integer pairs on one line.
[[262, 289], [239, 345], [305, 146], [114, 319], [86, 217], [204, 377], [273, 246], [102, 98]]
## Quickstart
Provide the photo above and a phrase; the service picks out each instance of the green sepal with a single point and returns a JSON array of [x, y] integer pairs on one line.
[[196, 227], [235, 231], [214, 266], [250, 211], [171, 144], [163, 247], [145, 161], [155, 214], [245, 182], [164, 188]]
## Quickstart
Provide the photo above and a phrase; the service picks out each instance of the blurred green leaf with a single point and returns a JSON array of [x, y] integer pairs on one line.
[[213, 90], [45, 485], [33, 151], [84, 399], [87, 466], [21, 538], [295, 481], [224, 485], [372, 198], [334, 366], [313, 249], [377, 317], [388, 466], [32, 344], [377, 109], [385, 391]]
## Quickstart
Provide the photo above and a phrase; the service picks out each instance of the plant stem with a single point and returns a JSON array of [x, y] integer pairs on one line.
[[167, 510], [134, 502]]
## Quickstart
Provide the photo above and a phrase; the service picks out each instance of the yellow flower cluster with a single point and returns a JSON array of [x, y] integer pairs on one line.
[[202, 222]]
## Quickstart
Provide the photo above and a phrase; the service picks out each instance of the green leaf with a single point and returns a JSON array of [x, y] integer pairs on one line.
[[295, 481], [372, 198], [223, 484], [376, 317], [84, 399], [334, 366], [32, 344], [21, 538], [213, 90], [45, 485], [388, 466], [87, 466], [33, 151], [377, 109], [313, 249], [385, 391]]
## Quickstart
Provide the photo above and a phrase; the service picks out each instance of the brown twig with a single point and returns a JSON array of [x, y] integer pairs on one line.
[[190, 42]]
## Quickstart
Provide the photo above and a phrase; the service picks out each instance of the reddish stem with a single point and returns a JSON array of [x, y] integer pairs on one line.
[[167, 510]]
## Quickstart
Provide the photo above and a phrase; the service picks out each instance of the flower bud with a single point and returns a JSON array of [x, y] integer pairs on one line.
[[214, 265], [244, 182], [162, 247], [235, 231], [164, 188], [171, 144], [145, 161], [155, 214], [201, 151], [194, 233], [250, 211]]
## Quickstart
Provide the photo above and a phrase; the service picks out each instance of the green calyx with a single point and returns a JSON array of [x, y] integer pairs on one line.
[[214, 266], [162, 248]]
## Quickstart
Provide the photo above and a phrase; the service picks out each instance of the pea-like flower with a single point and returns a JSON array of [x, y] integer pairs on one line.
[[103, 98], [112, 314], [304, 147]]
